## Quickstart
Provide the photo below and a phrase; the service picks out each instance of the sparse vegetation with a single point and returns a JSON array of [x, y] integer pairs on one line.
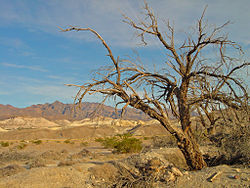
[[37, 142], [36, 163], [67, 141], [84, 144], [146, 138], [122, 143], [66, 163], [4, 144], [164, 141], [21, 146], [234, 147]]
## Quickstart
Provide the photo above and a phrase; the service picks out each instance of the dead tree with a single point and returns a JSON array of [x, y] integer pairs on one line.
[[187, 82]]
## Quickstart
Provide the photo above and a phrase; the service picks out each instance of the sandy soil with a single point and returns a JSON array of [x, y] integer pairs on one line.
[[63, 158]]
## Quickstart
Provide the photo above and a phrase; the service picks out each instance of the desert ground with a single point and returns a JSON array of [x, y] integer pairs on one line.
[[38, 153]]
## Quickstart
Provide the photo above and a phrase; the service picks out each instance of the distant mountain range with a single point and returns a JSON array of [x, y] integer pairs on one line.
[[58, 110]]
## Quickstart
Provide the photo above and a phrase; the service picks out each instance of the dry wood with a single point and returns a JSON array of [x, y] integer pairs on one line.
[[214, 176], [188, 82]]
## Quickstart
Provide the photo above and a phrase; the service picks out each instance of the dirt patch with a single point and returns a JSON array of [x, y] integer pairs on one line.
[[230, 177], [49, 177]]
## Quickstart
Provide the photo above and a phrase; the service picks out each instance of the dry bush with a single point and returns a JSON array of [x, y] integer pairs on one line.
[[36, 163], [150, 173], [82, 154], [84, 144], [53, 155], [10, 170], [233, 142], [201, 137], [66, 163], [164, 141], [105, 172], [21, 146], [236, 146], [13, 156]]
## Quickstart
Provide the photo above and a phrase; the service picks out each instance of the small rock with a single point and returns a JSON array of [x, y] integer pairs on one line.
[[155, 162], [185, 173], [214, 176], [176, 171], [236, 177], [237, 170], [170, 176], [245, 179]]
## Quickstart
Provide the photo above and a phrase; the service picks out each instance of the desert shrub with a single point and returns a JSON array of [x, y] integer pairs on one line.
[[37, 142], [128, 145], [13, 155], [21, 146], [35, 163], [51, 155], [66, 163], [106, 173], [146, 138], [164, 141], [109, 142], [10, 170], [4, 144], [68, 141], [84, 144], [122, 143], [235, 146], [98, 139], [201, 137]]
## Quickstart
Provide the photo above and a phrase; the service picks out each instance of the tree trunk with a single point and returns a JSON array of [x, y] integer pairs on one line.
[[186, 142], [191, 151]]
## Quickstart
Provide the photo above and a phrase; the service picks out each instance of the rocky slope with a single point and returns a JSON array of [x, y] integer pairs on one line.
[[58, 111]]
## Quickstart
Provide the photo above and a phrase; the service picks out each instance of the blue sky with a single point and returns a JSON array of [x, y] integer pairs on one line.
[[36, 59]]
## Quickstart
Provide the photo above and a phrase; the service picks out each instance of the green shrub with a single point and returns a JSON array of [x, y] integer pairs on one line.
[[37, 142], [68, 141], [146, 138], [122, 143], [99, 139], [128, 145], [4, 144]]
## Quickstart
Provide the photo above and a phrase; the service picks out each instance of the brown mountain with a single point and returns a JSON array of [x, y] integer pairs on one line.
[[58, 110]]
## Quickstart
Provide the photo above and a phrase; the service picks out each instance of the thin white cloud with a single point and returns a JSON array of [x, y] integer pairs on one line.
[[4, 93], [58, 92], [105, 16], [34, 68]]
